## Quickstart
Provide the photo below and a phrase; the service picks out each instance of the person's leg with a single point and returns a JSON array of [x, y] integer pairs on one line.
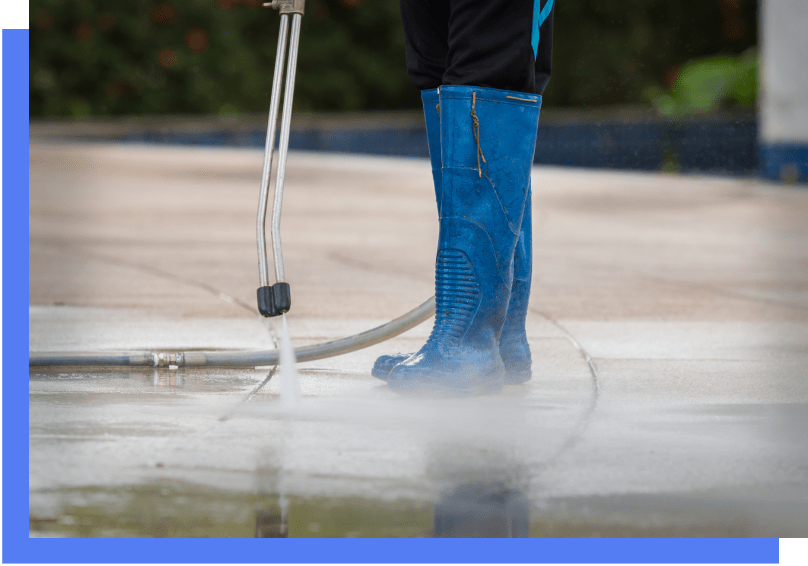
[[521, 69], [426, 36], [542, 43], [505, 44], [502, 44], [487, 141]]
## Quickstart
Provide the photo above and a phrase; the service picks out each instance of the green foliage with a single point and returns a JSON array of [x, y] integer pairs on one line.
[[148, 57], [95, 57], [707, 84], [610, 53]]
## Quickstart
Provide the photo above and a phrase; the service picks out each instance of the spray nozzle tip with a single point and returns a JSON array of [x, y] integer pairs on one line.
[[274, 300]]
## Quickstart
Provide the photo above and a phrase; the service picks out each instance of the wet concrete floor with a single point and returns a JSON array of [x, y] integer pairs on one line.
[[668, 324]]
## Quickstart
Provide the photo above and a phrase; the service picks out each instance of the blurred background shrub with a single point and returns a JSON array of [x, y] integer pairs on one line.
[[709, 83], [96, 58]]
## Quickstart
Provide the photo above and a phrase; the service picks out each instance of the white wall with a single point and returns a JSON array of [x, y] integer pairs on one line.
[[784, 71]]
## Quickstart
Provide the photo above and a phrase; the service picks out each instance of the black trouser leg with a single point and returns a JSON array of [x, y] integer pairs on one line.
[[487, 43]]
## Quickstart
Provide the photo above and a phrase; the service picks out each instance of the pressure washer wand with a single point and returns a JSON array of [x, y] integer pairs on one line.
[[274, 300]]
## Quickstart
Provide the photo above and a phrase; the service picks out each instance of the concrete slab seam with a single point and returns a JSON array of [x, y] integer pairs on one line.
[[584, 421], [174, 277]]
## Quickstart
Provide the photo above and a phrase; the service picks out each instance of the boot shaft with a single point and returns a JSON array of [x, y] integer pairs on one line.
[[488, 139]]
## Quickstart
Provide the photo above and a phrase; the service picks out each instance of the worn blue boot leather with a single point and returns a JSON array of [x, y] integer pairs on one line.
[[487, 141], [514, 347]]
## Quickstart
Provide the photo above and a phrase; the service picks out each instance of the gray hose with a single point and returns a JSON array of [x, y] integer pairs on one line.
[[235, 358]]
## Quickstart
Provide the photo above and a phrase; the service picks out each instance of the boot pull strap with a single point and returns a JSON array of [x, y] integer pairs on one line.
[[475, 128]]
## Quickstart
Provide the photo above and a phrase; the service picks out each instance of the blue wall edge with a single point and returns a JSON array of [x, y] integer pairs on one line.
[[785, 162]]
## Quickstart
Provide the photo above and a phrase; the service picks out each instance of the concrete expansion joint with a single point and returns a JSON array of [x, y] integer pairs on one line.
[[586, 418]]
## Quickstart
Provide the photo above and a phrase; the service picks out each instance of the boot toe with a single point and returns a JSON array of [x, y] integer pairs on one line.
[[384, 364]]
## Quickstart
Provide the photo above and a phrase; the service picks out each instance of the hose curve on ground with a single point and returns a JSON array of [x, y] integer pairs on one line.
[[236, 358]]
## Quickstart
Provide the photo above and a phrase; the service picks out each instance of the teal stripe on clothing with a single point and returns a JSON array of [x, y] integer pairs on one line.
[[539, 15]]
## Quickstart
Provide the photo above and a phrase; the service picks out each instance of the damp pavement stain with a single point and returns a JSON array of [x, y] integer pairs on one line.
[[166, 463], [668, 325]]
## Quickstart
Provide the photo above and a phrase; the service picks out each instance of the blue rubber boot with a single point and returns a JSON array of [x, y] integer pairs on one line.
[[487, 141], [514, 347]]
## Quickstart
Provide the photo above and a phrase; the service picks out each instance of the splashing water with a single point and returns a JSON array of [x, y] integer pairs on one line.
[[290, 380], [290, 399]]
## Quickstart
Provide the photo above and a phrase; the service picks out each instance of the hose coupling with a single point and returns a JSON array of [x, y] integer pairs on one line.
[[287, 6], [166, 359]]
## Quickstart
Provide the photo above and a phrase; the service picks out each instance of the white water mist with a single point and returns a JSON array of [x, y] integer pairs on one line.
[[290, 380]]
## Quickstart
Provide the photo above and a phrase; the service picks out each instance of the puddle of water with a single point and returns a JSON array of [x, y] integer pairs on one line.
[[176, 510], [393, 446]]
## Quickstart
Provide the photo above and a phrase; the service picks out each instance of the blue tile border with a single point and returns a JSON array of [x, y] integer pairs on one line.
[[787, 162]]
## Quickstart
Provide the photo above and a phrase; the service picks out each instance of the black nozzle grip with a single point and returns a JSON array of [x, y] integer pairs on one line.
[[274, 300]]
